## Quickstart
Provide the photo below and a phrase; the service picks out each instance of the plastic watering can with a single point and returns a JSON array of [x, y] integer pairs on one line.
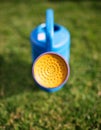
[[50, 54]]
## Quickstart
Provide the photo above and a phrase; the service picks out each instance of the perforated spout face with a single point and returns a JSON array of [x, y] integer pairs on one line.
[[50, 70]]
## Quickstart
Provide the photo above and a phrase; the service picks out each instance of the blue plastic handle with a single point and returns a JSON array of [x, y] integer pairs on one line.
[[49, 29]]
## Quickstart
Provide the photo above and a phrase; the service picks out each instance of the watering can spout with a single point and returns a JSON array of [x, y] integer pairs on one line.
[[49, 29]]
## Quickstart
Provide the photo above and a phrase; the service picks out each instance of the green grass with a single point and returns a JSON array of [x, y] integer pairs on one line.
[[23, 106]]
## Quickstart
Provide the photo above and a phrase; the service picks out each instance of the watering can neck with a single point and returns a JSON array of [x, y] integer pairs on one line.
[[49, 29]]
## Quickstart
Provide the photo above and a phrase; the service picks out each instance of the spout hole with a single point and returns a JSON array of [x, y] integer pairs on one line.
[[56, 28]]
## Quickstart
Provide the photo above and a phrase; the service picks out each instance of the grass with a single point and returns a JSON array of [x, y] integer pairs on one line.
[[23, 106]]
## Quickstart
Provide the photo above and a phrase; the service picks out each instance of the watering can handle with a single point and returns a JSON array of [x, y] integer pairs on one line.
[[49, 29]]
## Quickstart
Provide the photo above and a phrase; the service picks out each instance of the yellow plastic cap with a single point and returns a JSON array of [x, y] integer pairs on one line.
[[50, 70]]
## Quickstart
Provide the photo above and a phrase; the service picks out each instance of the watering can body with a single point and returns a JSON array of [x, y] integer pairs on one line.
[[50, 37]]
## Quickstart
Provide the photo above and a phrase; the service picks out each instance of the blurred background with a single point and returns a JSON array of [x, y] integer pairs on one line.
[[23, 105]]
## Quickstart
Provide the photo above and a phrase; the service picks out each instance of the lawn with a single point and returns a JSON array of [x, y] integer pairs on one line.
[[23, 106]]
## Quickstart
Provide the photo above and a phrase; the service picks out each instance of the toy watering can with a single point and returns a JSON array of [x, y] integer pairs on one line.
[[50, 54]]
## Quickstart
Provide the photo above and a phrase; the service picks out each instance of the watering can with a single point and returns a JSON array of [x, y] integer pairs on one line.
[[50, 37], [50, 54]]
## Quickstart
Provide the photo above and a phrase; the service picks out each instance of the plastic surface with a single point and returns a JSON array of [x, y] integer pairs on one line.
[[50, 71], [50, 37], [49, 29], [50, 54]]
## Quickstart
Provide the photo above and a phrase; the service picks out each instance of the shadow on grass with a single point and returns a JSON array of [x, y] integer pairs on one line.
[[96, 6], [15, 76]]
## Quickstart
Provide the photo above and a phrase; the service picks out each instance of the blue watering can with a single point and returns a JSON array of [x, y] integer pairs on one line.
[[50, 37], [50, 54]]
